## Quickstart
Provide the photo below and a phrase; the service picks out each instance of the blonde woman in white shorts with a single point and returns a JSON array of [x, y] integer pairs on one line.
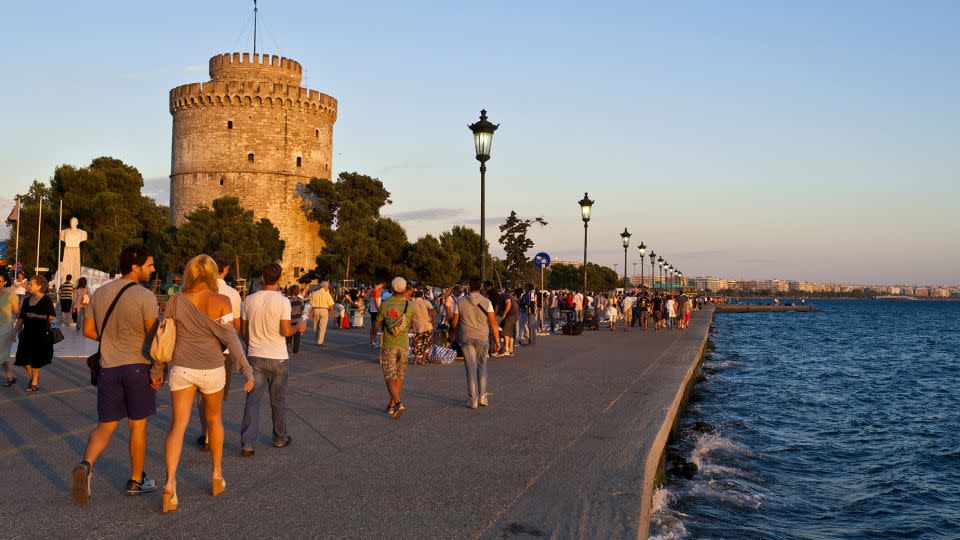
[[204, 323]]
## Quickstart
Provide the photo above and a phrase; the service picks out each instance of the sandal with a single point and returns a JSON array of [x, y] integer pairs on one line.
[[33, 387], [10, 382], [399, 411], [170, 501], [218, 485]]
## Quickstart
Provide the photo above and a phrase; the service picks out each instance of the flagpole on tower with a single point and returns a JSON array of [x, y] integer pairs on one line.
[[254, 26]]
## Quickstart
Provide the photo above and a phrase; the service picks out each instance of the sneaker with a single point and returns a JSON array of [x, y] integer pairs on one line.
[[284, 443], [247, 452], [484, 400], [82, 478], [145, 485]]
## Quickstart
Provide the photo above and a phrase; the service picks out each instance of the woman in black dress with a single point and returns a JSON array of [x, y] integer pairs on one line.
[[35, 349]]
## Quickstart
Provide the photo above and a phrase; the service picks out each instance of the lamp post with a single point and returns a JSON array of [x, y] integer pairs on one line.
[[643, 251], [586, 205], [660, 265], [625, 236], [653, 270], [482, 139]]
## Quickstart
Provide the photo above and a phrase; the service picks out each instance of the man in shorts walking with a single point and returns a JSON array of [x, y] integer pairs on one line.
[[395, 316], [125, 387]]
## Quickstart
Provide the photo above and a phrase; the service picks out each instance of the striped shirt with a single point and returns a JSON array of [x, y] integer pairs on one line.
[[66, 291]]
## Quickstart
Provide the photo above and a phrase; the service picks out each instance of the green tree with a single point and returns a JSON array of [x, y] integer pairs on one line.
[[599, 278], [516, 243], [228, 227], [38, 194], [464, 244], [106, 198], [357, 238], [430, 264]]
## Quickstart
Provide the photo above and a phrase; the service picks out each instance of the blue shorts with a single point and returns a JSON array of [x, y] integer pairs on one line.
[[125, 392]]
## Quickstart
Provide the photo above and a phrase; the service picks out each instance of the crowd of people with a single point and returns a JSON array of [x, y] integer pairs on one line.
[[212, 331]]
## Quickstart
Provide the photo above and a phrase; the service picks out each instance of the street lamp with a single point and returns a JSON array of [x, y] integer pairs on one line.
[[586, 205], [660, 265], [643, 251], [625, 236], [482, 139], [653, 270]]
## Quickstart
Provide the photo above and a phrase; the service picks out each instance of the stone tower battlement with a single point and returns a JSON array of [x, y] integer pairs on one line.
[[244, 66], [254, 133], [249, 93]]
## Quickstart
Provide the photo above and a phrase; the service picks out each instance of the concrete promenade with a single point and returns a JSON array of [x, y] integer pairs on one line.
[[569, 447]]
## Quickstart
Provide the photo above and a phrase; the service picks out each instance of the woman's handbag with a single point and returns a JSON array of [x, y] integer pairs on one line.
[[93, 361], [161, 348], [56, 335]]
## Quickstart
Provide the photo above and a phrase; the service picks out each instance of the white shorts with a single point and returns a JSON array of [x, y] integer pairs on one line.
[[208, 381]]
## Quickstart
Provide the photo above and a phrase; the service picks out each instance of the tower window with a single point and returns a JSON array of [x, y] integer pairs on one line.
[[299, 161], [221, 181], [318, 133], [229, 124], [250, 157]]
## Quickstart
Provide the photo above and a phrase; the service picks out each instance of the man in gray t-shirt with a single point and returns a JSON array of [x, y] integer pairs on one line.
[[126, 341], [474, 315], [125, 388]]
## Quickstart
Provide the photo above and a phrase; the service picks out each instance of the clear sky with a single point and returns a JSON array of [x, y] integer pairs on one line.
[[814, 140]]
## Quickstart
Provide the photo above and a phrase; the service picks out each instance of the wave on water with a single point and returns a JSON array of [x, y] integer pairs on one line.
[[709, 443], [837, 424], [664, 524]]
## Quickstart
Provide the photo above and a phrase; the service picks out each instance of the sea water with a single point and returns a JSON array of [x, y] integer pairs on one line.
[[842, 423]]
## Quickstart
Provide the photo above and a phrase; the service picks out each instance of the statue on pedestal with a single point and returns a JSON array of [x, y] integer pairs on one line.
[[71, 238]]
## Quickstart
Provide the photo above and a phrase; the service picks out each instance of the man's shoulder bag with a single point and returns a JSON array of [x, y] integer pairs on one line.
[[93, 361], [399, 325]]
